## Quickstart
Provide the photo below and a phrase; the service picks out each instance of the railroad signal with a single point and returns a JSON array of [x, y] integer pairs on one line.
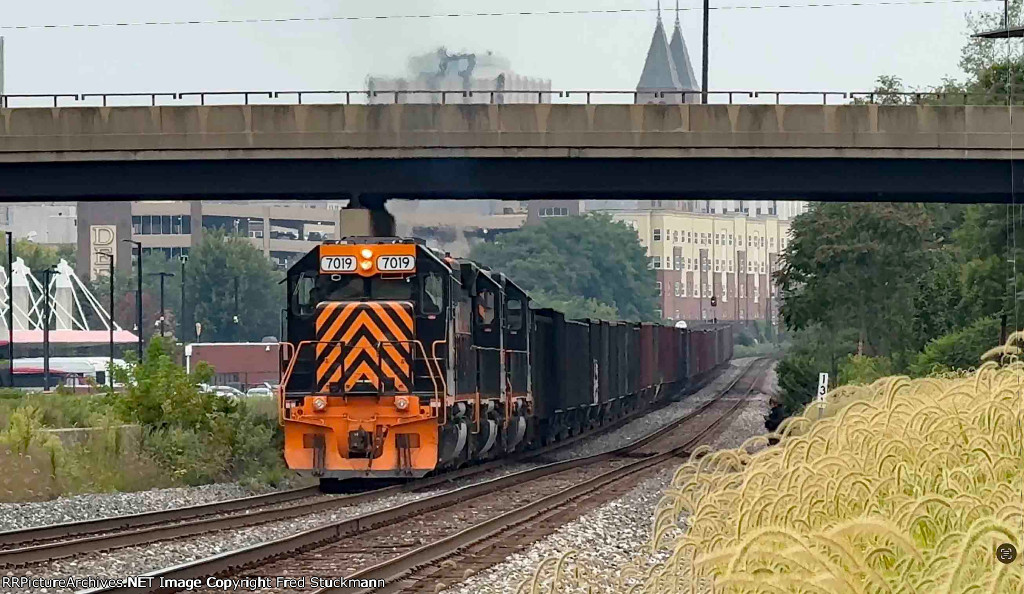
[[714, 301]]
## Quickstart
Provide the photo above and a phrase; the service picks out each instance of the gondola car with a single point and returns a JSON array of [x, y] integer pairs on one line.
[[401, 361]]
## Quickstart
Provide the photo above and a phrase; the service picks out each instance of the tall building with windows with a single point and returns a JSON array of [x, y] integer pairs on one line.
[[283, 231], [697, 256]]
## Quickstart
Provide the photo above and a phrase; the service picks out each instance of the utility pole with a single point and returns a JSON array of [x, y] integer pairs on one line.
[[181, 315], [162, 276], [138, 291], [235, 318], [2, 103], [704, 56]]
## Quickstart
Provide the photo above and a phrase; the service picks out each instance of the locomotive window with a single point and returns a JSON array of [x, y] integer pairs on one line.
[[345, 289], [392, 289], [302, 298], [485, 308], [515, 314], [433, 294]]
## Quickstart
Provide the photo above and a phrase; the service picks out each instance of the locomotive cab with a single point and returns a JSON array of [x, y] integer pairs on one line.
[[364, 379]]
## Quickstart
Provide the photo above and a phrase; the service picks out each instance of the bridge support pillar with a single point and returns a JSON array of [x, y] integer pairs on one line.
[[366, 216]]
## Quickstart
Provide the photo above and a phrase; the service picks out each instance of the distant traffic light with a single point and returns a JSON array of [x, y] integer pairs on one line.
[[714, 301]]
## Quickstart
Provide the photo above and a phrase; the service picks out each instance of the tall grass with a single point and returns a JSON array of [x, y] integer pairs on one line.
[[898, 486]]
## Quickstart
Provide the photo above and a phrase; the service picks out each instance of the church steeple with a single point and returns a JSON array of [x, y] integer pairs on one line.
[[660, 72], [681, 59]]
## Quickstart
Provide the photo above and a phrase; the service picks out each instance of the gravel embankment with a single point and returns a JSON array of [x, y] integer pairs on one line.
[[16, 516], [615, 534], [145, 558]]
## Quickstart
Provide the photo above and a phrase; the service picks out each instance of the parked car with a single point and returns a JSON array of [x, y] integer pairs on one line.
[[261, 391]]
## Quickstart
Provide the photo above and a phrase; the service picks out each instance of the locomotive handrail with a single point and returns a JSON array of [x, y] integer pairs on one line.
[[423, 351], [284, 346]]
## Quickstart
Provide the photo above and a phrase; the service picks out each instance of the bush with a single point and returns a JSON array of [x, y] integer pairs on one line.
[[200, 437], [861, 369], [959, 350]]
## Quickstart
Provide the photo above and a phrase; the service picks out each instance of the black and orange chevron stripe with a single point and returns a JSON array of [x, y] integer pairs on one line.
[[361, 344]]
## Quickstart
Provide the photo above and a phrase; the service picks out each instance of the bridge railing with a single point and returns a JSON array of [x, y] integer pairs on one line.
[[506, 96]]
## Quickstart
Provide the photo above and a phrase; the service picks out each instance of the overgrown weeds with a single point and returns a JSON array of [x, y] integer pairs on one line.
[[903, 485]]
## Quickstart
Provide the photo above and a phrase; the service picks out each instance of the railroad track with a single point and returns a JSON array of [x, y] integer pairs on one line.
[[20, 548], [391, 543]]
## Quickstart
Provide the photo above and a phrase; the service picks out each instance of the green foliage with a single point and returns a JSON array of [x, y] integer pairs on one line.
[[198, 436], [859, 369], [959, 350], [854, 266], [585, 266], [160, 393], [212, 267]]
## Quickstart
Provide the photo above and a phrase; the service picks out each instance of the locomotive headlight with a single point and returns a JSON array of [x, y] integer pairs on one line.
[[319, 404], [401, 403], [366, 253], [365, 264]]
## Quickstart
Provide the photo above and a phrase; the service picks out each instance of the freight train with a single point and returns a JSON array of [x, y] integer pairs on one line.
[[400, 361]]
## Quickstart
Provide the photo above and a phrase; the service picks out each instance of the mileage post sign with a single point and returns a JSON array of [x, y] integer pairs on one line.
[[368, 259]]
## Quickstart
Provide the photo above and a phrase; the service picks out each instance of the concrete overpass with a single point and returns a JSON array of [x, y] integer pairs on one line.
[[813, 152]]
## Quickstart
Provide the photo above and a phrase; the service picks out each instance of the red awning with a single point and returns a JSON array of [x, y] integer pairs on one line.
[[83, 337]]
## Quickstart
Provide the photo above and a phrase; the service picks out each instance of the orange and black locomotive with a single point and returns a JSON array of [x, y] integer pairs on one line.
[[401, 360]]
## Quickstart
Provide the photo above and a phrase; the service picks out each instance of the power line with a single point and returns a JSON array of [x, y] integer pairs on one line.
[[327, 19]]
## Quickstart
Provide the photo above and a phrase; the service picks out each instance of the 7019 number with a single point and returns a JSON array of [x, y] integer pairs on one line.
[[395, 263]]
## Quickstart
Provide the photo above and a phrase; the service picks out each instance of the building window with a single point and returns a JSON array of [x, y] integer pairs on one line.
[[750, 267], [730, 265], [675, 236], [730, 239], [658, 286], [657, 313], [657, 263], [557, 211], [668, 263], [771, 242], [718, 265], [677, 289], [758, 210], [162, 225], [689, 237], [657, 235], [762, 267], [682, 289]]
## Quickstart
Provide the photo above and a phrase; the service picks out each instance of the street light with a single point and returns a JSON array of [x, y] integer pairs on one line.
[[138, 291], [162, 276], [183, 258]]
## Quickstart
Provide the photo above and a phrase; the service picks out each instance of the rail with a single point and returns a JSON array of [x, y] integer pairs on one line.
[[496, 97], [266, 551]]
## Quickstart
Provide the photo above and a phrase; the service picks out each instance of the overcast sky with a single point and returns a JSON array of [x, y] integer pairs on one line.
[[841, 48]]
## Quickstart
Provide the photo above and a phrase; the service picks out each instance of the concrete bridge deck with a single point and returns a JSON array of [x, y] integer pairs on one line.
[[422, 150], [544, 130]]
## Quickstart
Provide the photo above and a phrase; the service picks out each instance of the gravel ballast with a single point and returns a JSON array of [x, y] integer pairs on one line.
[[146, 558], [616, 534], [17, 516]]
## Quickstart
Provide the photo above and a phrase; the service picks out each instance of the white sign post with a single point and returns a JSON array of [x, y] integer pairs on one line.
[[822, 390]]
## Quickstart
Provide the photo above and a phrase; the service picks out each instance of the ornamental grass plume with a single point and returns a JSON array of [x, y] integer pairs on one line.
[[901, 486]]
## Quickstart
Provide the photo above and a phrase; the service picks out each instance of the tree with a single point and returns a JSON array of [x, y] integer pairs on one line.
[[855, 265], [586, 266], [212, 268]]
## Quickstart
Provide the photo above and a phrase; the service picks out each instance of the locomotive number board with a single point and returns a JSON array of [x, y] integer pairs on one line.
[[367, 260]]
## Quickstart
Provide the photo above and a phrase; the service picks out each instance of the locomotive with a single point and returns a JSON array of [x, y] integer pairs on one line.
[[400, 361]]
